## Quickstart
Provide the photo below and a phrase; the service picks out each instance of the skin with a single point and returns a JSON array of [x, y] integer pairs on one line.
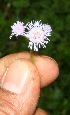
[[42, 72]]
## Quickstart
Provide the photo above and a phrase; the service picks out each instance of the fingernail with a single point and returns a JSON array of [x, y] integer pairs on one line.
[[15, 77]]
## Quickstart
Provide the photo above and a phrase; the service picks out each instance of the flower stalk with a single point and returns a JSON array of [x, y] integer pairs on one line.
[[31, 56]]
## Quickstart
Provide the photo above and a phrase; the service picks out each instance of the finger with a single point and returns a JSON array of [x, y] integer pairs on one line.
[[20, 88], [40, 112], [46, 66]]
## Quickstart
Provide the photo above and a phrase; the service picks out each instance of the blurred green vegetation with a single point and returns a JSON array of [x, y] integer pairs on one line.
[[56, 97]]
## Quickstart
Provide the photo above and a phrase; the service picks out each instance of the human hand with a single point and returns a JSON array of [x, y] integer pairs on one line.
[[21, 81]]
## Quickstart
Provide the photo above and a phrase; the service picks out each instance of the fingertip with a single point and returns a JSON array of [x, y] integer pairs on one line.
[[24, 96], [48, 69], [53, 65]]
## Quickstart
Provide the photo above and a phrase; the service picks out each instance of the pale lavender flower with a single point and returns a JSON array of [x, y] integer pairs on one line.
[[37, 34], [18, 28]]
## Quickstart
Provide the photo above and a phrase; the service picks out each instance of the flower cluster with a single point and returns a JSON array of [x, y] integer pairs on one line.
[[36, 33]]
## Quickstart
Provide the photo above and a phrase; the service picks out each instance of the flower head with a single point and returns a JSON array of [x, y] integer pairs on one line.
[[37, 34], [18, 29]]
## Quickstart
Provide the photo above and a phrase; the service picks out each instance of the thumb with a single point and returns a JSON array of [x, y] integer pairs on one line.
[[20, 87]]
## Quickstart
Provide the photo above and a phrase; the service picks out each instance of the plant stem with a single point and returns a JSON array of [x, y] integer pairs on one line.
[[31, 56]]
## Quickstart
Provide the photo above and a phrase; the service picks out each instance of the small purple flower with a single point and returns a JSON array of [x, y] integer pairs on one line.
[[37, 34], [18, 28]]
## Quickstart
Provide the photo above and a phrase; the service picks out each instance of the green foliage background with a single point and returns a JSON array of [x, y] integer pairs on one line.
[[56, 97]]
